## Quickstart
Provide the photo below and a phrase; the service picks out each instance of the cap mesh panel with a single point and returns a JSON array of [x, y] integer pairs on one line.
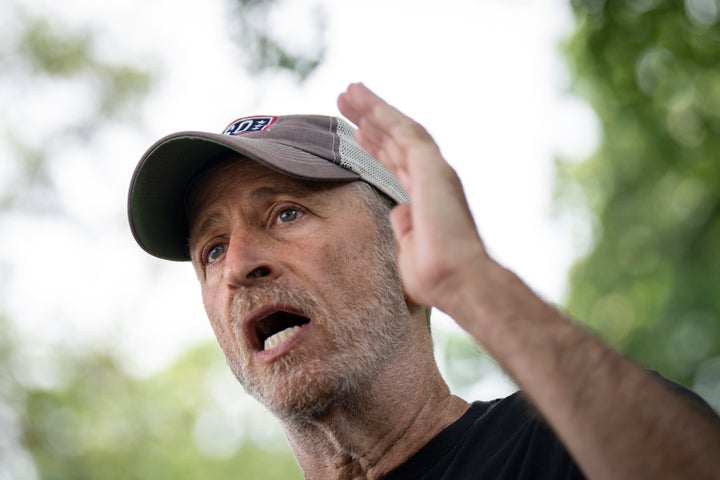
[[370, 170]]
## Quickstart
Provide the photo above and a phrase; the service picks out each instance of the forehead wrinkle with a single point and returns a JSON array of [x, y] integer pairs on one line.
[[290, 187], [264, 194]]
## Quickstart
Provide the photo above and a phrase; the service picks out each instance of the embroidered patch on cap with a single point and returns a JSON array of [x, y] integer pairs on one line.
[[248, 125]]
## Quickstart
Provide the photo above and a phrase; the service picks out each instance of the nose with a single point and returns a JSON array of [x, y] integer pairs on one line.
[[249, 259]]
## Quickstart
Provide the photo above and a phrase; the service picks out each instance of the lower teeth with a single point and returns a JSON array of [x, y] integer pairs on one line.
[[275, 340]]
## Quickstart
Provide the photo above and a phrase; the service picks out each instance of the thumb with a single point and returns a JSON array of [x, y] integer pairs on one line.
[[401, 221]]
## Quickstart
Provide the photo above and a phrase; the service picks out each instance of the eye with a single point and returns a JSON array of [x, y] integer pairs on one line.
[[214, 253], [288, 215]]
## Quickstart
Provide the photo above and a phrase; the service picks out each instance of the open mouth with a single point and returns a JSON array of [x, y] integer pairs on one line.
[[277, 327]]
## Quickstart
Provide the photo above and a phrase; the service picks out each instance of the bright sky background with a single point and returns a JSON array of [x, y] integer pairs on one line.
[[484, 77]]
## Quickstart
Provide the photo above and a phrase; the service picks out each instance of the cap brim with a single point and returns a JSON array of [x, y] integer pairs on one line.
[[156, 202]]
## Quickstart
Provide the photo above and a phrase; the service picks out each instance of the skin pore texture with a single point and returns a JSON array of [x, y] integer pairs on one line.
[[356, 386]]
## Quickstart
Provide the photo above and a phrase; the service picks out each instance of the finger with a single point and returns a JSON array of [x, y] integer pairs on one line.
[[365, 108], [367, 144], [350, 103], [369, 112], [375, 114], [347, 108], [386, 127], [367, 104], [368, 135], [401, 221], [387, 154]]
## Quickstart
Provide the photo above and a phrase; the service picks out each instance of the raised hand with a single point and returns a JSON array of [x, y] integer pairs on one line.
[[587, 392], [439, 244]]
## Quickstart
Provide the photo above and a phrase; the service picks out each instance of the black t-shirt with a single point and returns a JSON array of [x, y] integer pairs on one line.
[[502, 439]]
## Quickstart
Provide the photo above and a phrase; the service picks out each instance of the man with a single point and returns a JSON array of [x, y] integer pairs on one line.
[[322, 316]]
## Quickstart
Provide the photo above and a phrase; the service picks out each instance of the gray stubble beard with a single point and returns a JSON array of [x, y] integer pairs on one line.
[[362, 345]]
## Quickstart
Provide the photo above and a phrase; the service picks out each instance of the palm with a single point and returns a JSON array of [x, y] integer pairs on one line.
[[435, 231]]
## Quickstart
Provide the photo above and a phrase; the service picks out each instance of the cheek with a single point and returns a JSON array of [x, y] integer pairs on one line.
[[212, 297], [214, 311], [347, 266], [207, 299], [335, 259]]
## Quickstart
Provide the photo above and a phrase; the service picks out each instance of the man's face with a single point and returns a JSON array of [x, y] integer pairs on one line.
[[304, 300]]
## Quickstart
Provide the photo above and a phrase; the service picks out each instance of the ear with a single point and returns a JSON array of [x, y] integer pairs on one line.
[[421, 312], [411, 304], [401, 221]]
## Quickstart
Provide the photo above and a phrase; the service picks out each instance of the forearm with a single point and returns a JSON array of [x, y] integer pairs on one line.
[[617, 420]]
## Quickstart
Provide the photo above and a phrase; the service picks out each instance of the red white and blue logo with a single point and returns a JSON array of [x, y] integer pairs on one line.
[[248, 125]]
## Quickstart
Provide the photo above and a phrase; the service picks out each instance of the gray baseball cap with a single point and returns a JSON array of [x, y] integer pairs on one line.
[[310, 147]]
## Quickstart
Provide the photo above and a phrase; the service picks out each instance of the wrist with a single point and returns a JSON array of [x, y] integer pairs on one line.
[[496, 307]]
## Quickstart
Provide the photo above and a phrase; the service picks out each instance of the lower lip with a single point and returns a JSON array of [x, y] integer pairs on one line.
[[268, 356]]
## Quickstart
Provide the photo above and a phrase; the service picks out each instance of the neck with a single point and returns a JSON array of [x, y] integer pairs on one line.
[[366, 433]]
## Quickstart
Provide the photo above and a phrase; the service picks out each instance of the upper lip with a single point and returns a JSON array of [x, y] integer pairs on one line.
[[251, 321]]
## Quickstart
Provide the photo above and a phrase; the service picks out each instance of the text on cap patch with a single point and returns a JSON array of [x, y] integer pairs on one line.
[[248, 125]]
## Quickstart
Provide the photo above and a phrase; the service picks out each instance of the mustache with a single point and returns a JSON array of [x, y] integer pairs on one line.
[[246, 300]]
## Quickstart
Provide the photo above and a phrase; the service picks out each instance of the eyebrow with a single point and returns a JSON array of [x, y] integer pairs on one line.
[[295, 188], [207, 224]]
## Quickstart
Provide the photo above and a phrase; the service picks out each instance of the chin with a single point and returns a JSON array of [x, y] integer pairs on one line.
[[309, 389], [305, 393]]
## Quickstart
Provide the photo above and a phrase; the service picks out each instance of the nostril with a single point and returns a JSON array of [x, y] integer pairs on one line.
[[259, 272]]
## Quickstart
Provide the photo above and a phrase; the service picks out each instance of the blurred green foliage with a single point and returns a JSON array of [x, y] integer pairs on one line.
[[54, 53], [47, 62], [650, 70], [649, 281], [258, 33], [101, 423]]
